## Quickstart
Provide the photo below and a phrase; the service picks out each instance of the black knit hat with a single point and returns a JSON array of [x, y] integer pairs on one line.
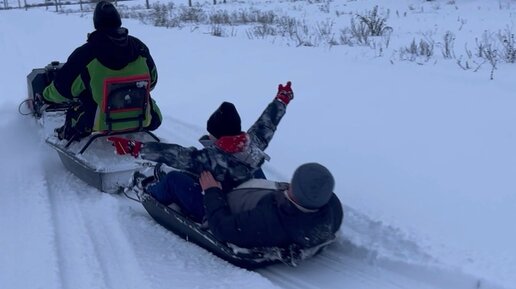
[[312, 185], [225, 121], [106, 16]]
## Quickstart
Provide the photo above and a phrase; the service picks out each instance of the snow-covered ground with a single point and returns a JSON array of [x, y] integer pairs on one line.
[[424, 155]]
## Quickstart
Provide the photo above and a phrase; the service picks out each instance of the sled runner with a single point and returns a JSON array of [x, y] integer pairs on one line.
[[92, 158], [254, 258]]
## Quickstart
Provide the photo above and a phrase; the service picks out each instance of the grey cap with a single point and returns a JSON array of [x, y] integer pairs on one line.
[[312, 185]]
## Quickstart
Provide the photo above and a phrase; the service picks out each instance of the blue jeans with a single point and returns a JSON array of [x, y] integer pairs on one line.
[[185, 191], [182, 189]]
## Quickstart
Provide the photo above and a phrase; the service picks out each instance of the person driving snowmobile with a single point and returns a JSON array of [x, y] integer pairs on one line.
[[109, 53]]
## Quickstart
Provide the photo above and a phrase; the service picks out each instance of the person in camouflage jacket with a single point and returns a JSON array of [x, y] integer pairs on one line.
[[109, 52], [232, 156]]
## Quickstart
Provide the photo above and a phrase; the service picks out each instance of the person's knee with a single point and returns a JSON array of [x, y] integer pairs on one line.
[[176, 178]]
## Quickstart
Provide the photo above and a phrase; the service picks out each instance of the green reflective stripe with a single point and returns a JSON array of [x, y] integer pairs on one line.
[[77, 86], [51, 94]]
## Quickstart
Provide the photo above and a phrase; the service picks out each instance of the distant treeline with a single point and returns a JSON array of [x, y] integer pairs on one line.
[[47, 3]]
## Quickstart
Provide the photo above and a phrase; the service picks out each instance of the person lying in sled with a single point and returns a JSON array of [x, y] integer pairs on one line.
[[231, 155], [264, 213], [109, 53]]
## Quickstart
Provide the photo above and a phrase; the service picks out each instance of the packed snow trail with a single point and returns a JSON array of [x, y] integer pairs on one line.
[[27, 236], [98, 240], [346, 265]]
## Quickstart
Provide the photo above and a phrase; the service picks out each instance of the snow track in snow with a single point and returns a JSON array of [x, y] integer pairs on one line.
[[26, 237], [87, 239], [368, 254], [97, 240], [347, 265]]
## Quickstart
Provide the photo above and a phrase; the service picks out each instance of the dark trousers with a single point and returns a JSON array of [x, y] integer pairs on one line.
[[181, 189], [185, 191]]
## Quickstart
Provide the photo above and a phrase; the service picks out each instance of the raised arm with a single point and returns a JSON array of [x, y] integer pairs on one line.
[[262, 131]]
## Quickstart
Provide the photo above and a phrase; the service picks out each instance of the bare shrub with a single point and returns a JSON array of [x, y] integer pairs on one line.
[[160, 14], [422, 50], [345, 37], [135, 12], [360, 32], [217, 30], [287, 26], [304, 37], [508, 46], [241, 17], [324, 30], [267, 17], [426, 48], [486, 49], [220, 17], [164, 15], [193, 14], [263, 30], [364, 27], [486, 46], [375, 23], [448, 45]]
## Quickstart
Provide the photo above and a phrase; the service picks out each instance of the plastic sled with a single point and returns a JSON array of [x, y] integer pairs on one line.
[[253, 258]]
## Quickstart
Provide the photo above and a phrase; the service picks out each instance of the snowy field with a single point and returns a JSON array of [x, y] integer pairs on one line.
[[422, 149]]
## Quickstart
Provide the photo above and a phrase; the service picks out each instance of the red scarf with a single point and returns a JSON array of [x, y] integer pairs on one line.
[[233, 144]]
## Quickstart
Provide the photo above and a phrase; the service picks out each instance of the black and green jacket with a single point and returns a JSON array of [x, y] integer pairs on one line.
[[107, 53]]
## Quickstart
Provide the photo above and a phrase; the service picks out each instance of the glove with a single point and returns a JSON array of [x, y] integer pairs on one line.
[[285, 93], [126, 146]]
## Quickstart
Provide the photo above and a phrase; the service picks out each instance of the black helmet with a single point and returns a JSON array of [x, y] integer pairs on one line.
[[106, 16]]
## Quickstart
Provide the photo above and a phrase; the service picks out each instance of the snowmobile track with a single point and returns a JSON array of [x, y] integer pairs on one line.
[[72, 233], [344, 265], [83, 238]]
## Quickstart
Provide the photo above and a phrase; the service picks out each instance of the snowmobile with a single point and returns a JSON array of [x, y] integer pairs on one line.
[[93, 160]]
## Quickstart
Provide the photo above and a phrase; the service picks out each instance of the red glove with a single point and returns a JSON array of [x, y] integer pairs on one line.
[[126, 146], [285, 93]]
